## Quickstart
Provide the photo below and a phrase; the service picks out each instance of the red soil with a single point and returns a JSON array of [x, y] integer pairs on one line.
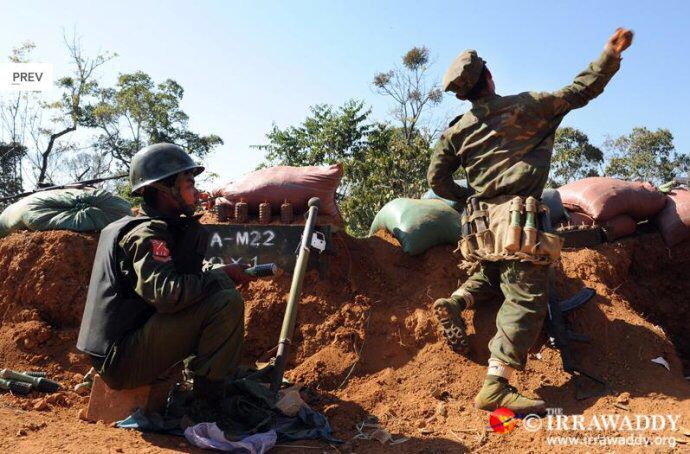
[[367, 342]]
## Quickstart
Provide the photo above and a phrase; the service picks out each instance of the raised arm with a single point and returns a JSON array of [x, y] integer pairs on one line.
[[589, 83]]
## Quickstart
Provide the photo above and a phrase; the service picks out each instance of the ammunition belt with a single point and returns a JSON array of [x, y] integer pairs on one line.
[[507, 228]]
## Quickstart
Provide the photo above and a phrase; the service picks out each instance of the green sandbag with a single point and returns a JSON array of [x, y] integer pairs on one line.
[[11, 218], [80, 210], [418, 224], [457, 205]]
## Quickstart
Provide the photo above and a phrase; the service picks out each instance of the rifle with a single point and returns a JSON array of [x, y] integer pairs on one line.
[[560, 335], [78, 184]]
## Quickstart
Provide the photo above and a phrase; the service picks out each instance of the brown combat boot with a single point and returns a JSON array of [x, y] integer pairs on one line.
[[497, 393], [447, 312]]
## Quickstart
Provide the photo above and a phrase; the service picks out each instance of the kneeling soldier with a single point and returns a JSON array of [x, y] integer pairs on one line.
[[150, 303]]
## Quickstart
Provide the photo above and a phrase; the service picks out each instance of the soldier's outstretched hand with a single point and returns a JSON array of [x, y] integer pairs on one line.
[[619, 41], [237, 274]]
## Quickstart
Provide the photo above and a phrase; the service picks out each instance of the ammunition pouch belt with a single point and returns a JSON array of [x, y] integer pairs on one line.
[[508, 228]]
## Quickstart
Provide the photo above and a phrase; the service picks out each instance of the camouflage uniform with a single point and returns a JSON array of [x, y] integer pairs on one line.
[[188, 311], [504, 143]]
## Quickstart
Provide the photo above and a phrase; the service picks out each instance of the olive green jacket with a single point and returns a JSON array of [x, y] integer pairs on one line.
[[162, 259], [504, 143]]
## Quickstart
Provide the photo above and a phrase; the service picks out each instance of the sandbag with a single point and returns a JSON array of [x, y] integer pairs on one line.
[[80, 210], [615, 228], [418, 224], [11, 218], [577, 218], [294, 184], [603, 198], [618, 227], [458, 205], [674, 220]]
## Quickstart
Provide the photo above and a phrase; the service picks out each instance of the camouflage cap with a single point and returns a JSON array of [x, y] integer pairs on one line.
[[464, 73]]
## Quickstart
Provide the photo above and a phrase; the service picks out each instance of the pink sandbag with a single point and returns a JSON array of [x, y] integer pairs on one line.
[[577, 218], [294, 184], [618, 227], [603, 198], [674, 220]]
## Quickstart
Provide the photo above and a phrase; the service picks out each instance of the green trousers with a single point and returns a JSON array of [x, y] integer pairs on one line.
[[209, 334], [524, 287]]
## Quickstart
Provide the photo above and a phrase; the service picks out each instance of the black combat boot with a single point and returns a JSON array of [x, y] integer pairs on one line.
[[447, 312], [206, 406]]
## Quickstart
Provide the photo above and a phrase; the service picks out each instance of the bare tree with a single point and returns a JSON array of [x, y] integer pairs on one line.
[[87, 164], [16, 113], [39, 128], [77, 86], [412, 93]]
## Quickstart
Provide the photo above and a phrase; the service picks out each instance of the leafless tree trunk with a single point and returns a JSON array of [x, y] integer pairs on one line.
[[80, 84], [413, 96]]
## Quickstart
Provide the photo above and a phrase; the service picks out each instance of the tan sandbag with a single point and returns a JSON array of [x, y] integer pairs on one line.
[[294, 184], [603, 198], [674, 220]]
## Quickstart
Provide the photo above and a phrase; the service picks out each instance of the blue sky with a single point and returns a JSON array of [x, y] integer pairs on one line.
[[247, 65]]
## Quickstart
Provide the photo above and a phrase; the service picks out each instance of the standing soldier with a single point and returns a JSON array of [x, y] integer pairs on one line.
[[504, 143], [150, 304]]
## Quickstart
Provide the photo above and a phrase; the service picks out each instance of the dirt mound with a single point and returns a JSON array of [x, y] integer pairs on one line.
[[367, 341], [48, 272]]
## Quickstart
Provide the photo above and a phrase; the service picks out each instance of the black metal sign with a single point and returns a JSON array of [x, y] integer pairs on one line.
[[258, 243]]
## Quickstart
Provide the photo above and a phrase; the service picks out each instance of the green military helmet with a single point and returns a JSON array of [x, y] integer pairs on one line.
[[463, 73], [157, 162]]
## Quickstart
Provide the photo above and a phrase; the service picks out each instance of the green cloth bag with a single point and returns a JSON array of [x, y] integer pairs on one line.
[[418, 224], [80, 210]]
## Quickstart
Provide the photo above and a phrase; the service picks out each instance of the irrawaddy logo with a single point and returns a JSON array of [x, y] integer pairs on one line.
[[26, 76], [502, 420]]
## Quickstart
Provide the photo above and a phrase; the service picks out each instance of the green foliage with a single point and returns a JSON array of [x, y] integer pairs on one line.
[[327, 136], [138, 112], [10, 169], [574, 157], [381, 162], [21, 54], [645, 155], [123, 189], [391, 168], [379, 165]]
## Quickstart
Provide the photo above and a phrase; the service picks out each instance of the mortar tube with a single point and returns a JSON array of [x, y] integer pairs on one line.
[[290, 317]]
